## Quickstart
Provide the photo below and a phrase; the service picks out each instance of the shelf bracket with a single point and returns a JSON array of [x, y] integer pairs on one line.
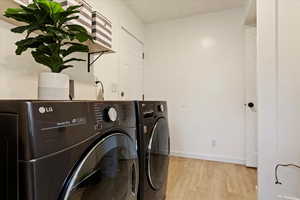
[[90, 62]]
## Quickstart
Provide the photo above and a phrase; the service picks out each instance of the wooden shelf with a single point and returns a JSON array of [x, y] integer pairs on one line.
[[251, 14], [4, 4]]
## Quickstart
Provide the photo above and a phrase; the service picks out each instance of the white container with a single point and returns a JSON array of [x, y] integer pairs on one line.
[[53, 86]]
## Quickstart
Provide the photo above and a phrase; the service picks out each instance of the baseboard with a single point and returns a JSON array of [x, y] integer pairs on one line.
[[210, 158]]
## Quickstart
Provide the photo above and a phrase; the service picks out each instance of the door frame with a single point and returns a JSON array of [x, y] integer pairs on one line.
[[251, 120]]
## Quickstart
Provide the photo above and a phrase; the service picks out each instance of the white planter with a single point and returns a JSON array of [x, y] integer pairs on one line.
[[53, 86]]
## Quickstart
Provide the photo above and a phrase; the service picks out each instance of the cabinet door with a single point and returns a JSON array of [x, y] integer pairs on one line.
[[131, 67]]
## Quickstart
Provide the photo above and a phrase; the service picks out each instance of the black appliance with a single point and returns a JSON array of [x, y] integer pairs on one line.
[[154, 149], [68, 151]]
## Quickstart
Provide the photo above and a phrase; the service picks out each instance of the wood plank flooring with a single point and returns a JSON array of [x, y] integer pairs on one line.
[[191, 179]]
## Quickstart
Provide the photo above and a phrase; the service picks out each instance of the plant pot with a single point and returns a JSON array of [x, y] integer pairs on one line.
[[53, 86]]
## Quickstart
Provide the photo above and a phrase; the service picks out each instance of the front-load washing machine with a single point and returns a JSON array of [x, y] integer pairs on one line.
[[68, 151], [154, 149]]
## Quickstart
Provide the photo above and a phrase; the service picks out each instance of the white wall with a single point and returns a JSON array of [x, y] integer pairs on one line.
[[278, 97], [108, 67], [19, 74], [197, 64]]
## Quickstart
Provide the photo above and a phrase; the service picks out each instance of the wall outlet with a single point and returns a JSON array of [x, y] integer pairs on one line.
[[214, 143], [114, 88]]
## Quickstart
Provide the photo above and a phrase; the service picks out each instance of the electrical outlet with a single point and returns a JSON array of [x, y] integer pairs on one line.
[[214, 143], [114, 88]]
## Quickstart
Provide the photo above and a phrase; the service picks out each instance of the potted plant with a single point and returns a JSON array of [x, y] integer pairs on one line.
[[52, 39]]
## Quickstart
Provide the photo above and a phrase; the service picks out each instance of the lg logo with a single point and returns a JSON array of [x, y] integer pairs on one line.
[[44, 109]]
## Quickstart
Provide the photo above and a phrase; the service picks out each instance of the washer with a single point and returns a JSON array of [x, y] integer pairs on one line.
[[68, 151], [154, 149]]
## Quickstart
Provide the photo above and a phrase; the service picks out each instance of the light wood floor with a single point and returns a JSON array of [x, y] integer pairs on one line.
[[205, 180]]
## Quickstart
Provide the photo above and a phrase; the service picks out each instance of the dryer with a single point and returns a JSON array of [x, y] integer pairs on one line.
[[68, 151], [154, 149]]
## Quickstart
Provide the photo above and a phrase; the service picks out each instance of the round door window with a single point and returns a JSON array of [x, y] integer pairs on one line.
[[108, 171], [158, 154]]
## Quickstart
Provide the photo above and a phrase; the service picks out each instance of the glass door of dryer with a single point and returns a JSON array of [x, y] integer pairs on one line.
[[108, 171], [158, 154]]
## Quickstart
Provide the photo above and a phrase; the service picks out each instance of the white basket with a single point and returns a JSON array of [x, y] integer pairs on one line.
[[23, 2], [102, 30], [85, 15]]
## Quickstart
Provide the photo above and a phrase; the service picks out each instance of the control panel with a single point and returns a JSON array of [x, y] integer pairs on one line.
[[150, 111], [111, 114], [104, 115]]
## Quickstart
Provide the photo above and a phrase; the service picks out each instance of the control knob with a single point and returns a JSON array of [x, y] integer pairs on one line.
[[161, 108], [111, 114]]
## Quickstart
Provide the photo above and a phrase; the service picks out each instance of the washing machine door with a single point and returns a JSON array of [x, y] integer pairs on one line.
[[158, 155], [108, 171]]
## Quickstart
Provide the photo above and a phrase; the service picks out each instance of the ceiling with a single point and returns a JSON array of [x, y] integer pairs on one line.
[[151, 11]]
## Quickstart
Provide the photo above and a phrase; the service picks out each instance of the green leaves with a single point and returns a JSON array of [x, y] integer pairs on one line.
[[56, 35], [79, 32], [19, 14], [20, 29], [74, 48], [54, 61], [72, 60]]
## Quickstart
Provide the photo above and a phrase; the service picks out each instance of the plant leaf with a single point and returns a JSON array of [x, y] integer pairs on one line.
[[67, 19], [73, 59], [23, 45], [75, 48], [20, 50], [45, 50], [54, 62], [42, 59], [82, 37], [12, 11], [48, 48], [76, 28], [20, 29], [72, 8]]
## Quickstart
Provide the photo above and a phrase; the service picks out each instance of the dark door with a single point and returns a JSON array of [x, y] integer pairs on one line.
[[108, 171], [158, 154]]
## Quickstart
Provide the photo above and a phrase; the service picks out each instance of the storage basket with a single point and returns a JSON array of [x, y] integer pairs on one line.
[[85, 15], [102, 30]]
